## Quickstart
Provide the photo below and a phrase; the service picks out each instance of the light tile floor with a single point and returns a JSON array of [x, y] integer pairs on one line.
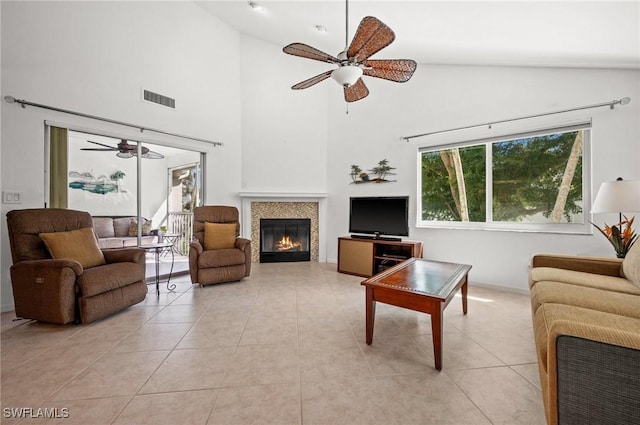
[[285, 346], [174, 264]]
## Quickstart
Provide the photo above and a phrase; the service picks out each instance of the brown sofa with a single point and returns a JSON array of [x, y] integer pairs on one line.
[[114, 232], [586, 316], [61, 290]]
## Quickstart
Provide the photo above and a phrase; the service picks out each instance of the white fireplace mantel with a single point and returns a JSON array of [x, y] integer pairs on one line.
[[321, 198], [284, 195]]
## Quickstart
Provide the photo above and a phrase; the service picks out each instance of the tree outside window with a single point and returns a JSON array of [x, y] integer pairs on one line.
[[453, 184], [535, 179]]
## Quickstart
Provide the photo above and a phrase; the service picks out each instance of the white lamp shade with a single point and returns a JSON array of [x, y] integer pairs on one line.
[[347, 75], [617, 196]]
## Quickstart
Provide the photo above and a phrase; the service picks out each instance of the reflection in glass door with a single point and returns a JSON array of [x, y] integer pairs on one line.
[[100, 181]]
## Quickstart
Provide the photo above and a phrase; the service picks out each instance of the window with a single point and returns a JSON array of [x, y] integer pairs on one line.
[[533, 181]]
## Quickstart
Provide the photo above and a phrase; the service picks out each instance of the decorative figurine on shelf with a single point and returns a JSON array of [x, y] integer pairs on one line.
[[355, 172], [380, 171]]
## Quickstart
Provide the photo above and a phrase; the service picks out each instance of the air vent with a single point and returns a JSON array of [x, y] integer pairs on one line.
[[159, 99]]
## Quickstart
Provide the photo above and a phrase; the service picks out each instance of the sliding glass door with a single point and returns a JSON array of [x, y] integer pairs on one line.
[[144, 186]]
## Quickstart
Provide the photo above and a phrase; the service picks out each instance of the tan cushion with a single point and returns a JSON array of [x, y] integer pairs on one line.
[[591, 280], [219, 235], [121, 226], [133, 227], [79, 245], [220, 258], [631, 264], [144, 240], [619, 303], [103, 226], [110, 243], [109, 277]]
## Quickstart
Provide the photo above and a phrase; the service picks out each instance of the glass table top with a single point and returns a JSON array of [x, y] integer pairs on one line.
[[431, 278]]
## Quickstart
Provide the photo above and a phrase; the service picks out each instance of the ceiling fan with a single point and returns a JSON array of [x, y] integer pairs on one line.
[[371, 36], [125, 150]]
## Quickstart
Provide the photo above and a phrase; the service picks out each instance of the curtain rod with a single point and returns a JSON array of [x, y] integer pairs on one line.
[[611, 105], [22, 102]]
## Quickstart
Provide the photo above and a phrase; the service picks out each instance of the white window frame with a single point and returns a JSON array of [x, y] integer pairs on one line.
[[569, 228]]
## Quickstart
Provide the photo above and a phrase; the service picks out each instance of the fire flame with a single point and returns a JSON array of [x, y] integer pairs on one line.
[[286, 244]]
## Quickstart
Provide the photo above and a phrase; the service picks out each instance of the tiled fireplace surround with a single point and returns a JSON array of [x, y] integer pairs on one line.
[[257, 205]]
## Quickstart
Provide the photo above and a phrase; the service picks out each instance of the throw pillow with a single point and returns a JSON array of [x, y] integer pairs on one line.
[[631, 264], [103, 226], [79, 245], [219, 235], [133, 228]]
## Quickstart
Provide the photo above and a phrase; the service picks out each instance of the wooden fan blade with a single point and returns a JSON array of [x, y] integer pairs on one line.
[[371, 37], [305, 51], [312, 81], [356, 91], [398, 70]]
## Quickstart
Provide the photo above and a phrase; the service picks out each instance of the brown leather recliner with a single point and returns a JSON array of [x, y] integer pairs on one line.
[[217, 265], [62, 291]]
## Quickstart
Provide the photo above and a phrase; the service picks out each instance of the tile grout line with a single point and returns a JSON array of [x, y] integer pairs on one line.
[[137, 393]]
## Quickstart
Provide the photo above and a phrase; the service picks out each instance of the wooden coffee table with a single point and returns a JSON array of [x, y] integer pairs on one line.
[[419, 285]]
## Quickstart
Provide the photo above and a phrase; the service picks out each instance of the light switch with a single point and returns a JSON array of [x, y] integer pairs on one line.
[[11, 197]]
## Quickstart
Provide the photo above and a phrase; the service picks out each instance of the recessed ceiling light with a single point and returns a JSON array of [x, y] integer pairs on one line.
[[255, 6], [320, 28]]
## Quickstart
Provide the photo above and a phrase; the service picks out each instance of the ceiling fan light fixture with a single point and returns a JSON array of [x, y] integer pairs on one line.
[[347, 75], [124, 155]]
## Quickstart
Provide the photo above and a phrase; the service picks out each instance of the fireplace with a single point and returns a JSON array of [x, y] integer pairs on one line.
[[285, 240], [259, 205]]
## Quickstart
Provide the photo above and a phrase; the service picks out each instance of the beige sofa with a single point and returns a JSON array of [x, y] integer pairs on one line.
[[120, 232], [586, 316]]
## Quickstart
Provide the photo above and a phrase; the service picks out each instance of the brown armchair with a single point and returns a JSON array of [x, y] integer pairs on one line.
[[217, 254], [62, 290]]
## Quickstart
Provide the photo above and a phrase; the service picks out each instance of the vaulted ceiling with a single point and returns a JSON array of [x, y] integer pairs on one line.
[[571, 33]]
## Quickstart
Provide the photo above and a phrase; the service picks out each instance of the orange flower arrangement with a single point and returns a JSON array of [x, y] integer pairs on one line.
[[621, 239]]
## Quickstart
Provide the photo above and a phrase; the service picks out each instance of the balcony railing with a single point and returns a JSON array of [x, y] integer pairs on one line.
[[181, 223]]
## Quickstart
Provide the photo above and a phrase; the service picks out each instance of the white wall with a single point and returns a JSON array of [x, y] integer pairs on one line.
[[284, 131], [95, 57], [442, 97]]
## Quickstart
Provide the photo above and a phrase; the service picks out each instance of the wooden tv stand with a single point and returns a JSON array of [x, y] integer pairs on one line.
[[366, 257]]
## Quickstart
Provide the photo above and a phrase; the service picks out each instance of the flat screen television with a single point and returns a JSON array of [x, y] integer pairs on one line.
[[379, 216]]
